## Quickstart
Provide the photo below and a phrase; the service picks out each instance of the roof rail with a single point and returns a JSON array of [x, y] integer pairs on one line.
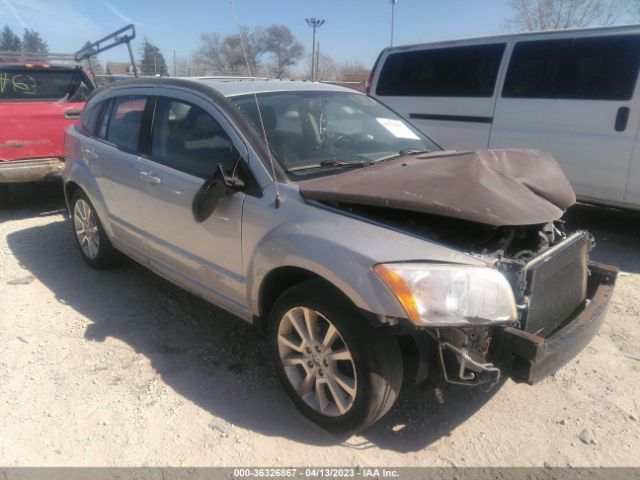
[[58, 58]]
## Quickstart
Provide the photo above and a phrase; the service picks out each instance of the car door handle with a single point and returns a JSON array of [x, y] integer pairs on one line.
[[622, 117], [149, 177], [90, 153]]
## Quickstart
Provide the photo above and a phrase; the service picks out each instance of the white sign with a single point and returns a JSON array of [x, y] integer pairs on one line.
[[397, 128]]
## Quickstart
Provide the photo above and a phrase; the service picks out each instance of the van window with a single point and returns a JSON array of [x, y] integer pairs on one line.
[[187, 138], [444, 72], [597, 68]]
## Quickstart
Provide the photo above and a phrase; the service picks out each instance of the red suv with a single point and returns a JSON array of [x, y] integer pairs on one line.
[[37, 103]]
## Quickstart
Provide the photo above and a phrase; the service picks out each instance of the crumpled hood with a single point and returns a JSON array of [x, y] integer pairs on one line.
[[494, 187]]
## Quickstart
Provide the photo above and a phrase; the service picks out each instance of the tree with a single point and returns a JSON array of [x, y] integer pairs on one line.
[[327, 68], [535, 15], [152, 62], [354, 72], [9, 41], [226, 56], [33, 43], [284, 48]]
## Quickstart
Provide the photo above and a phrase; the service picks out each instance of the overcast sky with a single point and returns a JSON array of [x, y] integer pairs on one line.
[[354, 29]]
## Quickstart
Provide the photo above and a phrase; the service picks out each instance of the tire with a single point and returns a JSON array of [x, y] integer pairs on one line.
[[5, 197], [92, 240], [367, 378]]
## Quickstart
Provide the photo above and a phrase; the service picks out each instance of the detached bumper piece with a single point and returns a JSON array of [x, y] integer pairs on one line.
[[33, 170], [528, 358]]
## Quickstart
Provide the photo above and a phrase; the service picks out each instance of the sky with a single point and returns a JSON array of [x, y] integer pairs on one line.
[[354, 30]]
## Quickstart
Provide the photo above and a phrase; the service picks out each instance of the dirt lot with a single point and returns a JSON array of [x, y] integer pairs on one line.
[[122, 368]]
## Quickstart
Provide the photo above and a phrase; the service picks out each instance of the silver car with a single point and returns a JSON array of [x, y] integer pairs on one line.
[[369, 257]]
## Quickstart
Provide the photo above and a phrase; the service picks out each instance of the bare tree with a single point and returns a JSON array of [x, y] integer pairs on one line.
[[283, 47], [327, 68], [633, 9], [535, 15], [354, 72], [226, 56]]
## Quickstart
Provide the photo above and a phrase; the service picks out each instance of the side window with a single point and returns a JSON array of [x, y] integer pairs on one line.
[[89, 118], [187, 138], [603, 68], [121, 124], [598, 68], [535, 68], [444, 72]]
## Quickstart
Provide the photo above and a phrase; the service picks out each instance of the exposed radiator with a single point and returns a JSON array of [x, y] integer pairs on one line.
[[556, 284]]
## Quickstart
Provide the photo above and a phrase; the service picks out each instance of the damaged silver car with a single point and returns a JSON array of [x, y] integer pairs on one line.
[[369, 257]]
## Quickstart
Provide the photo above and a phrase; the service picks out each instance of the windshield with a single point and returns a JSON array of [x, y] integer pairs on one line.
[[42, 84], [313, 133]]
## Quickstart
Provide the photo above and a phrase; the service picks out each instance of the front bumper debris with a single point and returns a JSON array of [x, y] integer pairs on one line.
[[528, 358], [33, 170]]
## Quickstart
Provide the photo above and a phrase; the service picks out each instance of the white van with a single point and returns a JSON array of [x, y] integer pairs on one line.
[[572, 93]]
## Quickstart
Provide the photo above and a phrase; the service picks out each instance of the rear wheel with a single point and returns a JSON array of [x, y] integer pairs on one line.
[[91, 238], [340, 372]]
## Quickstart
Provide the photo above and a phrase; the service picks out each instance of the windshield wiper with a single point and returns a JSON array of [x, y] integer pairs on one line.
[[402, 153], [330, 163]]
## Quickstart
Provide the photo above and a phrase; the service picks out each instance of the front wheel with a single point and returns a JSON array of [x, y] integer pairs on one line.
[[341, 373]]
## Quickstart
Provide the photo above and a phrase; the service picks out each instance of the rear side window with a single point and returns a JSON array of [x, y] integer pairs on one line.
[[599, 68], [44, 84], [122, 120], [89, 118], [445, 72], [187, 138]]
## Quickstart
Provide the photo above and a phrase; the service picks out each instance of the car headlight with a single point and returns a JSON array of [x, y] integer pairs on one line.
[[448, 295]]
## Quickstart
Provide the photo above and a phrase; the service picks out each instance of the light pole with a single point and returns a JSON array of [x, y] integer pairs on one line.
[[314, 23], [393, 8]]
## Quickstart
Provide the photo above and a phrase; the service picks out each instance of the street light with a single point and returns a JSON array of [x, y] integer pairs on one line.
[[314, 23], [393, 7]]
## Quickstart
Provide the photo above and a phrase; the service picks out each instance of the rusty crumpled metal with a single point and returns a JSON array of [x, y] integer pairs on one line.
[[494, 187]]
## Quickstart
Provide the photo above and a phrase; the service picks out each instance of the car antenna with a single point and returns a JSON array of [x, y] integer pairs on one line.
[[255, 96]]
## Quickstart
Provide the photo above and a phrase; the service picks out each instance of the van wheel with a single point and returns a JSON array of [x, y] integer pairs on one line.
[[341, 373], [95, 247]]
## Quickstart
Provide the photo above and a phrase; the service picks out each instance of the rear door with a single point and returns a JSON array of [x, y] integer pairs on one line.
[[447, 92], [112, 157], [572, 97], [36, 105], [188, 140]]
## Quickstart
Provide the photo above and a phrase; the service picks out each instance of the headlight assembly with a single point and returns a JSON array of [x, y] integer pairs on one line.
[[449, 295]]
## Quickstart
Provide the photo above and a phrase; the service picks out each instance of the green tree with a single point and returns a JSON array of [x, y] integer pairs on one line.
[[33, 43], [9, 41], [152, 62]]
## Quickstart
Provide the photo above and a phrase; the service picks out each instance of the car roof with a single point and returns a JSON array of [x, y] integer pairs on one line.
[[235, 87], [231, 86]]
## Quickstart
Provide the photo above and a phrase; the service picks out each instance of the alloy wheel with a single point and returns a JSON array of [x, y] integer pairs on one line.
[[86, 229], [317, 361]]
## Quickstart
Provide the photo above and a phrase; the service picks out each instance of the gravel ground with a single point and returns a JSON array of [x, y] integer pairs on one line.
[[120, 368]]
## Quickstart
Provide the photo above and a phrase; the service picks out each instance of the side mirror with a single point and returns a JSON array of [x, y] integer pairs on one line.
[[211, 192]]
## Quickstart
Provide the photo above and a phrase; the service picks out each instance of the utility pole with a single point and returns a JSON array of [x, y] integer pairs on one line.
[[393, 8], [318, 61], [174, 64], [314, 23]]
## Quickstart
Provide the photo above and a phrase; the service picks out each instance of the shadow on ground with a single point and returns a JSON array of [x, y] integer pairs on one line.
[[219, 362], [28, 200]]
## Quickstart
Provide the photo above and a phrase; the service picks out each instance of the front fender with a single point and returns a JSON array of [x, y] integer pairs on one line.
[[345, 268]]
